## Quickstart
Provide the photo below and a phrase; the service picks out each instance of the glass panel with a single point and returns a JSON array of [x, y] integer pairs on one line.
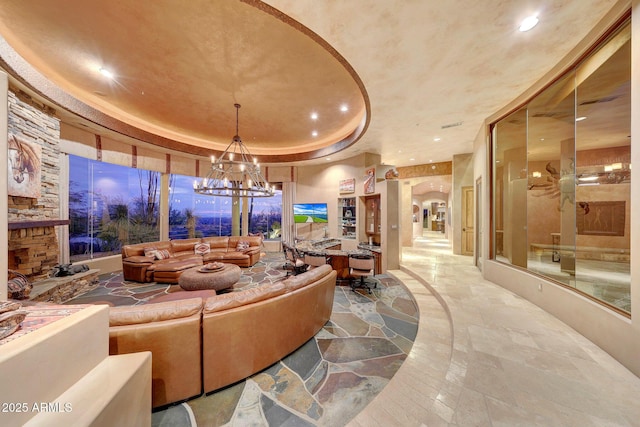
[[551, 181], [195, 215], [510, 188], [265, 215], [109, 206], [562, 177], [603, 163]]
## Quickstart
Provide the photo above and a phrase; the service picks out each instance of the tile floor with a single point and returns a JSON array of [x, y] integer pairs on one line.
[[486, 357]]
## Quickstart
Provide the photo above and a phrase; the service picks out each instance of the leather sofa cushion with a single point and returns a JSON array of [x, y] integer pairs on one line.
[[182, 294], [183, 245], [217, 242], [236, 299], [174, 265], [235, 255], [137, 314], [139, 259], [301, 280], [252, 240]]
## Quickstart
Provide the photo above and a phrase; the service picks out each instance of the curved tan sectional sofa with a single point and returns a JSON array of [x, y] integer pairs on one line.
[[203, 344], [138, 267]]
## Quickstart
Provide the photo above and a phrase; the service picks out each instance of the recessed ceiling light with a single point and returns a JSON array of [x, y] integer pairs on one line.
[[314, 116], [108, 74], [412, 159], [579, 119], [528, 23], [314, 133], [436, 139], [328, 158], [344, 108]]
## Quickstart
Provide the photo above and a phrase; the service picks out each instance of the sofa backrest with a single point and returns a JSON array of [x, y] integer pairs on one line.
[[139, 248], [254, 241], [184, 246], [138, 314], [217, 242], [236, 299], [303, 279]]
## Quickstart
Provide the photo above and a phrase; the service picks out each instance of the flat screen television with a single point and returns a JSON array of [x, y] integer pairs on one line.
[[309, 212]]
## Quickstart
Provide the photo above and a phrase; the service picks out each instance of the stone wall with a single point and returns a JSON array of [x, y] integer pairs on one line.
[[34, 251]]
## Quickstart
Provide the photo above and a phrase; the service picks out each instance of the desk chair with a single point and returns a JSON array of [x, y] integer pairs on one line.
[[294, 263], [313, 260], [362, 266]]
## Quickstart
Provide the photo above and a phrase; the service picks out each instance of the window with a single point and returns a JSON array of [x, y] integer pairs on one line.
[[110, 206], [562, 178], [195, 215]]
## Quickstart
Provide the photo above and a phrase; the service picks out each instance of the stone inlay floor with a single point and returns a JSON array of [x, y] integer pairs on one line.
[[326, 382], [329, 379], [115, 291]]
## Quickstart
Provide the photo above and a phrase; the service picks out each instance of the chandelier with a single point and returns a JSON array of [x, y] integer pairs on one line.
[[236, 173]]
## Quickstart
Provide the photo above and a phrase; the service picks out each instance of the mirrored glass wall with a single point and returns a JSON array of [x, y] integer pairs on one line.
[[562, 177]]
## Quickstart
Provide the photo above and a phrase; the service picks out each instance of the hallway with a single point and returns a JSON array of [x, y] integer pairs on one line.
[[486, 357]]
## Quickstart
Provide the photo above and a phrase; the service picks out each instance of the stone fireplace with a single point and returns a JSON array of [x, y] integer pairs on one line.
[[33, 244], [33, 248]]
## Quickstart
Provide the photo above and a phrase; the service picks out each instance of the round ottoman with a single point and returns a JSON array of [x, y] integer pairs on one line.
[[195, 279]]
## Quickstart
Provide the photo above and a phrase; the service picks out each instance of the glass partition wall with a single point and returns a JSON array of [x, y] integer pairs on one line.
[[562, 178]]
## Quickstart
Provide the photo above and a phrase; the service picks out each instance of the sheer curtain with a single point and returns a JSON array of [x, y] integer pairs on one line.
[[288, 226]]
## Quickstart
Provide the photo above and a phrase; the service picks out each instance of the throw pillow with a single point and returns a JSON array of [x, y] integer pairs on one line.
[[202, 248], [163, 254], [242, 246], [19, 288], [150, 252]]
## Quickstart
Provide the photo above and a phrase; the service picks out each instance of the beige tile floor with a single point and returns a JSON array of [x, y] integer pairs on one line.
[[486, 357]]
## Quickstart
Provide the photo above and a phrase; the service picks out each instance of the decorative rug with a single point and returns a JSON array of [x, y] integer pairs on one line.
[[326, 382]]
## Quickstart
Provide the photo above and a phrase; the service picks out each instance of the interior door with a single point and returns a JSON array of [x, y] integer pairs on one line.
[[467, 220]]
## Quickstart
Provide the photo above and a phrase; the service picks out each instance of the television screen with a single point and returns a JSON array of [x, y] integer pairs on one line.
[[309, 212]]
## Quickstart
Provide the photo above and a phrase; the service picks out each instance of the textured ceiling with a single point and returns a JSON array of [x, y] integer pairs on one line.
[[407, 69]]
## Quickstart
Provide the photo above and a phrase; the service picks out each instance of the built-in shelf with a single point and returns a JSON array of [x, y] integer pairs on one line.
[[347, 219], [372, 218]]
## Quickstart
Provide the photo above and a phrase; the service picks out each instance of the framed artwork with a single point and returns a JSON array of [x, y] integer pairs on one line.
[[24, 167], [348, 185], [600, 218], [370, 181]]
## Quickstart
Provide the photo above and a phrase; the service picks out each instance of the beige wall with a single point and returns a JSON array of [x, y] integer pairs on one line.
[[319, 184], [616, 334]]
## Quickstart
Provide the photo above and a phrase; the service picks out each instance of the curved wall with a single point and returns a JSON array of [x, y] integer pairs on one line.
[[616, 334]]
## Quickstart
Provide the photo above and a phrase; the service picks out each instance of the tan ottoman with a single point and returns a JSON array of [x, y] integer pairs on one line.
[[196, 278], [169, 271]]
